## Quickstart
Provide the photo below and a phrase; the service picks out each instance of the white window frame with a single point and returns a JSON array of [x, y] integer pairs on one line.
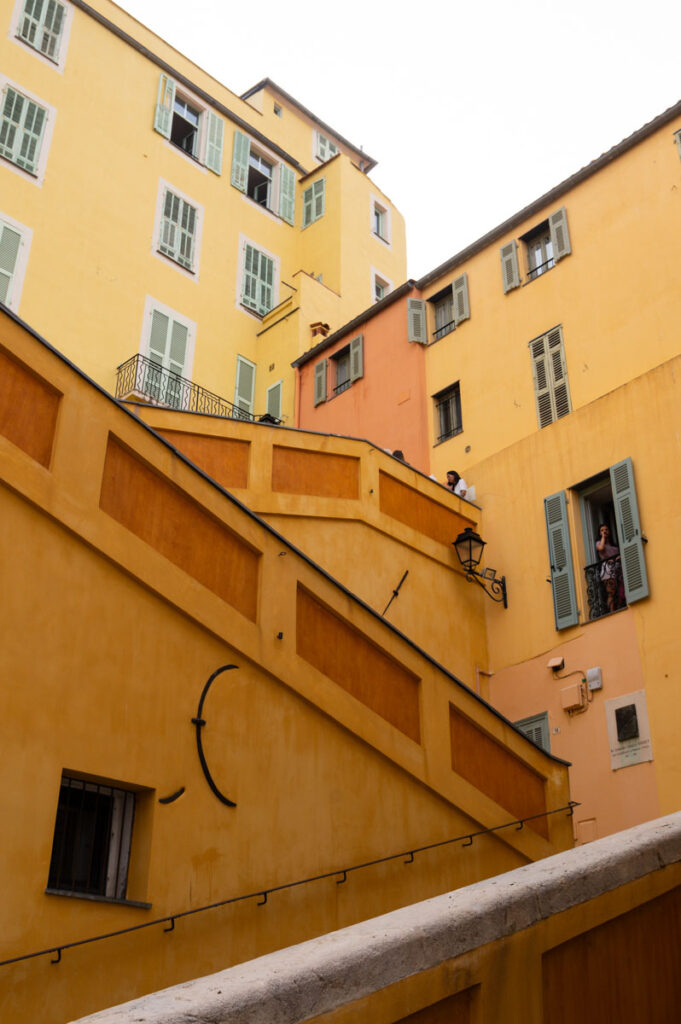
[[272, 207], [163, 187], [386, 213], [150, 304], [198, 159], [323, 147], [17, 280], [243, 242], [37, 176], [379, 278], [15, 25]]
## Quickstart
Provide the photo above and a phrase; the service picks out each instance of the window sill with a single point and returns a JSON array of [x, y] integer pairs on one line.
[[17, 167], [175, 262], [35, 49], [96, 898], [442, 440], [386, 241]]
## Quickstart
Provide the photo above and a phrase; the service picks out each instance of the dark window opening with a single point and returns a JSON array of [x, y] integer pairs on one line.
[[448, 412], [92, 836], [539, 248], [443, 308], [259, 183], [184, 131], [603, 571], [342, 361]]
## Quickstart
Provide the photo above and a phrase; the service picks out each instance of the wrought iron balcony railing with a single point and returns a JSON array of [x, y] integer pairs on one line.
[[145, 379], [604, 595]]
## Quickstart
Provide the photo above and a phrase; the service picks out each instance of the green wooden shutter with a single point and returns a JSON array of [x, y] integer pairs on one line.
[[318, 191], [416, 321], [307, 206], [558, 372], [265, 284], [629, 531], [677, 140], [10, 240], [158, 336], [536, 728], [244, 391], [187, 236], [542, 382], [509, 266], [274, 400], [320, 382], [257, 288], [34, 121], [560, 238], [163, 118], [287, 194], [52, 29], [216, 131], [460, 294], [241, 153], [357, 357], [29, 25], [560, 555]]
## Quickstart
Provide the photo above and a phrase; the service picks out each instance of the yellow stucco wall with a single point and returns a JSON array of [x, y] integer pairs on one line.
[[133, 578], [93, 260]]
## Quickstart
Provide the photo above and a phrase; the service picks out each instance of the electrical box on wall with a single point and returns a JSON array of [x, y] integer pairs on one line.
[[594, 679], [572, 697]]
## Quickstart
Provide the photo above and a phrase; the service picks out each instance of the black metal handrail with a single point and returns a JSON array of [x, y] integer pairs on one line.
[[142, 376], [597, 595], [407, 856], [445, 329]]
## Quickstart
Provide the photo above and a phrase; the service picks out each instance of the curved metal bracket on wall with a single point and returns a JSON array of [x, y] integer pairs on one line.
[[199, 722]]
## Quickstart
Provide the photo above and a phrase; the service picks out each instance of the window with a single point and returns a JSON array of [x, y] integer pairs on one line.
[[313, 202], [257, 280], [274, 400], [244, 387], [22, 128], [326, 148], [448, 412], [42, 26], [277, 110], [15, 240], [450, 306], [167, 349], [544, 245], [549, 373], [258, 175], [92, 839], [380, 221], [536, 728], [177, 234], [320, 382], [189, 126], [613, 581], [380, 286], [349, 363]]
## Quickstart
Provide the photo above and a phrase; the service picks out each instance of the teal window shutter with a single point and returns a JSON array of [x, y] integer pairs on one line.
[[10, 240], [274, 400], [460, 294], [320, 382], [509, 266], [257, 289], [560, 238], [416, 321], [287, 194], [357, 357], [178, 230], [560, 555], [307, 206], [629, 531], [163, 118], [536, 728], [22, 124], [241, 153], [313, 202], [216, 131], [319, 190], [244, 390]]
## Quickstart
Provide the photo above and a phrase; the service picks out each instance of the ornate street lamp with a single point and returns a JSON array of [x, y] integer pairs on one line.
[[469, 546]]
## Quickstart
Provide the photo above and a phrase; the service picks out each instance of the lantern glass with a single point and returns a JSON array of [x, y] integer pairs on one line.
[[468, 546]]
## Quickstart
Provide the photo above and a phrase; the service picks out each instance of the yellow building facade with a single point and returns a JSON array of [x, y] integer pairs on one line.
[[182, 222], [551, 358]]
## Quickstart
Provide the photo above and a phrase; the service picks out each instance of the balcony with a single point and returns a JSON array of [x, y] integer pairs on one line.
[[604, 595], [143, 380]]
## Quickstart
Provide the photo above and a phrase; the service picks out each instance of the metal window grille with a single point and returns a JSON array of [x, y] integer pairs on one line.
[[449, 413], [92, 836]]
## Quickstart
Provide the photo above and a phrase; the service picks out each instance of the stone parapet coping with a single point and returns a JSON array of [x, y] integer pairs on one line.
[[322, 974]]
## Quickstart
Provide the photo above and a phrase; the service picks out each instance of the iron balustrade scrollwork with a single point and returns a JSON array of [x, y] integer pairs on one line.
[[596, 590], [149, 380]]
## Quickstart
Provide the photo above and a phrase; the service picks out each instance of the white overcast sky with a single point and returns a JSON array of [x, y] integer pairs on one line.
[[471, 109]]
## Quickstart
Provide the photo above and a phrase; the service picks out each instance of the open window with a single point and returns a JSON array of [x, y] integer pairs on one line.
[[450, 306], [448, 420], [188, 125], [544, 245], [262, 178], [614, 574], [349, 364]]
